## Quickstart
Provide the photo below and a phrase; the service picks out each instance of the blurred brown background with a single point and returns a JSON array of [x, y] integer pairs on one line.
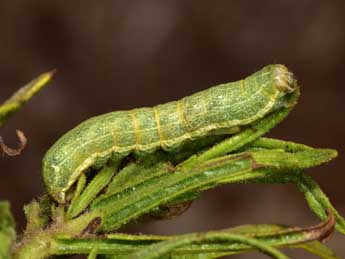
[[113, 55]]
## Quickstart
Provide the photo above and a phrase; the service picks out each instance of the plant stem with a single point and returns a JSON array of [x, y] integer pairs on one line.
[[43, 243]]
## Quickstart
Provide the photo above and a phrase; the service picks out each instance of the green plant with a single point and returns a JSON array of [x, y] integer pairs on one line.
[[162, 185]]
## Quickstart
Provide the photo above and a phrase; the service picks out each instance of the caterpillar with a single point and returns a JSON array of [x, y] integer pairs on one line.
[[221, 109]]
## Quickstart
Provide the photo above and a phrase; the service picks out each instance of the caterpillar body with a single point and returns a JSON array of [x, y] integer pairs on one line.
[[221, 109]]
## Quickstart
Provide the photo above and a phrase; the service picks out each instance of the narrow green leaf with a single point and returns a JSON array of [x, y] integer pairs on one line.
[[119, 209], [151, 192], [99, 182], [318, 249], [130, 177], [270, 143], [135, 173], [299, 160], [317, 200], [78, 190]]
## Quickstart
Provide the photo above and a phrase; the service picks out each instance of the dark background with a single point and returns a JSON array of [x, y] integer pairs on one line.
[[113, 55]]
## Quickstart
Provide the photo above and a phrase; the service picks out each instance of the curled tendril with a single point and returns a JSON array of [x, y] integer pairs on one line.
[[14, 151]]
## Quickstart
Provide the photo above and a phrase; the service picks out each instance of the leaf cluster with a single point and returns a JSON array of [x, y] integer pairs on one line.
[[163, 185]]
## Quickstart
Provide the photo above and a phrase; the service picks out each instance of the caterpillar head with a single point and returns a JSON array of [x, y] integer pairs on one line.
[[285, 81]]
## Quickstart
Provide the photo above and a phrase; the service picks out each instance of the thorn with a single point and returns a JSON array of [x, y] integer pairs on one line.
[[14, 152]]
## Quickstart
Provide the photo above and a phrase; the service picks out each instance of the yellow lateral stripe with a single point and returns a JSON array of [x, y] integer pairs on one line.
[[242, 86], [184, 122], [136, 128], [161, 137]]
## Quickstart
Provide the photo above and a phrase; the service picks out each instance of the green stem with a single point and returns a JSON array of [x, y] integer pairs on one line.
[[165, 247], [124, 244], [19, 98], [39, 246]]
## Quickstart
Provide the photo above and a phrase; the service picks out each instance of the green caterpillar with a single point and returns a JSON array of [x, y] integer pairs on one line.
[[222, 109]]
